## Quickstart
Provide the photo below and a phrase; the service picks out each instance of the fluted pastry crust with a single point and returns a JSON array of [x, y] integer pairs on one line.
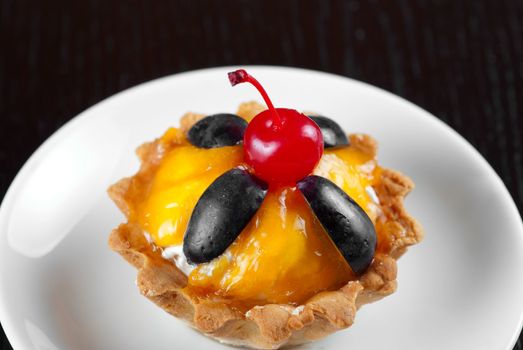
[[274, 325]]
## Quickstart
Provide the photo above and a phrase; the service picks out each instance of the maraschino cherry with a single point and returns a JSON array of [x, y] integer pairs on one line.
[[281, 145]]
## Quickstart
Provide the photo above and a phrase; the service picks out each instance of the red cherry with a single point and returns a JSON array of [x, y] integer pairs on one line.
[[281, 145]]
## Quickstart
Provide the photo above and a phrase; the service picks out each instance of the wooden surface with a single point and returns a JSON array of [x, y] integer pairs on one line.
[[461, 60]]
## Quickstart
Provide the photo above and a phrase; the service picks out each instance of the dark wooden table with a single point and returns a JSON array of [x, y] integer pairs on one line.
[[461, 60]]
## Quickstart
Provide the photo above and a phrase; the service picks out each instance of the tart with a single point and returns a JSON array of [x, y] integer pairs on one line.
[[256, 248]]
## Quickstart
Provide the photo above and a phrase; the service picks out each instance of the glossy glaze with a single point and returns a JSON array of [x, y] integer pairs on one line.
[[284, 254], [349, 227], [221, 213]]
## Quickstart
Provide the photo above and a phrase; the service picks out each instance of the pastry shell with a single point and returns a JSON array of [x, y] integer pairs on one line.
[[274, 325]]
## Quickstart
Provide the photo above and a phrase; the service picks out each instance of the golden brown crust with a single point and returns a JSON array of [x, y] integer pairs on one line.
[[268, 326], [249, 110]]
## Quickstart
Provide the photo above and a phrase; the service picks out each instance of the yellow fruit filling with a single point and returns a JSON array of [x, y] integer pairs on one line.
[[283, 255], [182, 176]]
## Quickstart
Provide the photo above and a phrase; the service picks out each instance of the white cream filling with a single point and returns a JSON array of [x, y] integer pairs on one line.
[[297, 310], [372, 194], [175, 254]]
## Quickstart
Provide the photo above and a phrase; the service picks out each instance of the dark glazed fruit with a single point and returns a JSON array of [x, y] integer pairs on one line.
[[217, 130], [345, 221], [220, 215], [333, 135]]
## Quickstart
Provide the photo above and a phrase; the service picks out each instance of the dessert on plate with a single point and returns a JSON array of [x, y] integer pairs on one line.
[[263, 228]]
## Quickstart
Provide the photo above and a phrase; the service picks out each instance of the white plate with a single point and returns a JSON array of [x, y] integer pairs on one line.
[[62, 288]]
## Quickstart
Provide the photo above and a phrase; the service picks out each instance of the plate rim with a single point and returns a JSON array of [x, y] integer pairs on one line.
[[14, 336]]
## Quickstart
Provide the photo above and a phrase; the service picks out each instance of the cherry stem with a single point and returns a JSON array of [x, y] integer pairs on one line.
[[241, 76]]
